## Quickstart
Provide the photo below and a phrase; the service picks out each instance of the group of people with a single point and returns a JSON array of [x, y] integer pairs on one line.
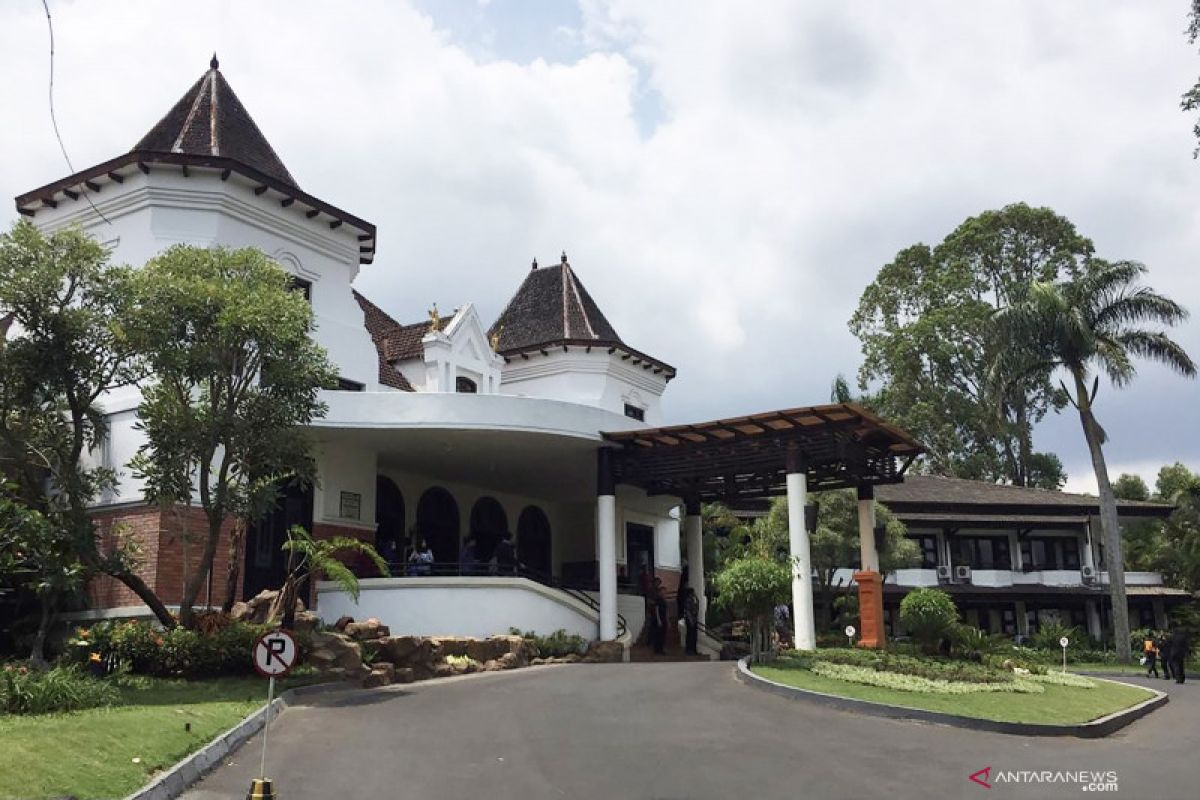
[[420, 560], [1171, 650], [658, 616]]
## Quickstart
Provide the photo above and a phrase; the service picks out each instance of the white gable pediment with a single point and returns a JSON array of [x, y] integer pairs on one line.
[[462, 349]]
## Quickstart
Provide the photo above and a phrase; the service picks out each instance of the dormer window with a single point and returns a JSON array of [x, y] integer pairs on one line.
[[465, 385], [634, 412]]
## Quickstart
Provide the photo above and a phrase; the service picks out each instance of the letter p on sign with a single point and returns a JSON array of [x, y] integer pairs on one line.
[[275, 654]]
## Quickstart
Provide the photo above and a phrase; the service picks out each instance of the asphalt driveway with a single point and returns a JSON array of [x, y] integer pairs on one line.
[[675, 730]]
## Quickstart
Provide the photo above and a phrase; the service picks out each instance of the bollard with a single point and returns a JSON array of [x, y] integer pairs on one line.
[[261, 789]]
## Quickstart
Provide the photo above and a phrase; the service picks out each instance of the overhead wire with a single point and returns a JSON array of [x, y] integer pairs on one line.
[[54, 118]]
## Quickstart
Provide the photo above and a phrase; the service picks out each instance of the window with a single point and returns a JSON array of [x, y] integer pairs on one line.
[[633, 412], [929, 550], [465, 385], [1070, 553], [1145, 614], [983, 552], [345, 385], [1050, 552], [302, 286], [1008, 621]]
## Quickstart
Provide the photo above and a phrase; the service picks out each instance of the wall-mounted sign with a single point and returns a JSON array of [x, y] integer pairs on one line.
[[351, 506]]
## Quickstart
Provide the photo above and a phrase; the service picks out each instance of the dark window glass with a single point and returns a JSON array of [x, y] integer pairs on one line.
[[1008, 621], [984, 552], [345, 385], [302, 286], [465, 385], [633, 412], [929, 555], [1070, 553]]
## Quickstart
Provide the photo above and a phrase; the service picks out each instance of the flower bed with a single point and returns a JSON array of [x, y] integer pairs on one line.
[[915, 683], [26, 691]]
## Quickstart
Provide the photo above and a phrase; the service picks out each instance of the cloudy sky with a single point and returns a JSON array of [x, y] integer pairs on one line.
[[726, 178]]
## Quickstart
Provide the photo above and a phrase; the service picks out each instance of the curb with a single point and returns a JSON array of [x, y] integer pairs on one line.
[[1095, 729], [179, 778]]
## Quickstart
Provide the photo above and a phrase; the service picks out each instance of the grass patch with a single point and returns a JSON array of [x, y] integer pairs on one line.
[[1058, 705], [89, 754]]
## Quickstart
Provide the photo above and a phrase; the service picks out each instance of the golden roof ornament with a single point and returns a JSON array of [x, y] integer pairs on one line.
[[494, 339], [435, 319]]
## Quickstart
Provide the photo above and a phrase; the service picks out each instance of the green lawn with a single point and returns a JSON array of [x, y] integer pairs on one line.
[[89, 754], [1061, 705]]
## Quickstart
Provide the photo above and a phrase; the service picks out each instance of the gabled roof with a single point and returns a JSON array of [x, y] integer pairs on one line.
[[935, 494], [210, 120], [552, 308]]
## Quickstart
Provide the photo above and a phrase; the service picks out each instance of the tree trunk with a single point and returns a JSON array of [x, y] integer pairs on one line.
[[192, 589], [138, 586], [37, 651], [235, 560], [1113, 553]]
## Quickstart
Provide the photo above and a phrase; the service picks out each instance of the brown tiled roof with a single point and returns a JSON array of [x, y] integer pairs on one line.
[[382, 327], [935, 494], [209, 120], [552, 308]]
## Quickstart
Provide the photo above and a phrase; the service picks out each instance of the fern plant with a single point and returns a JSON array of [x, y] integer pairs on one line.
[[308, 555]]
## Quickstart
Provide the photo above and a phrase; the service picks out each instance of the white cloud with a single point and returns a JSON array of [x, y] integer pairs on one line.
[[795, 148]]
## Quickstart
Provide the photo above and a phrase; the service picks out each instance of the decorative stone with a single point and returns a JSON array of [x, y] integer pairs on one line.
[[305, 621], [240, 612], [403, 675], [601, 652], [342, 622], [366, 630], [492, 666], [444, 670], [381, 674], [509, 661]]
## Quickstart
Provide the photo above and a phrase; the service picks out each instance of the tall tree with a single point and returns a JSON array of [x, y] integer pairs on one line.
[[1191, 98], [1089, 323], [63, 354], [236, 375], [1130, 487], [923, 325]]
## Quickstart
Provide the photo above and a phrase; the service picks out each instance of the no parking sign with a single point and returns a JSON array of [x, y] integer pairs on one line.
[[275, 654]]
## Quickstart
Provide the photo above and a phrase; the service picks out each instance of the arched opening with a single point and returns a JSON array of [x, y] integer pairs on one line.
[[465, 385], [533, 540], [488, 524], [389, 519], [437, 524]]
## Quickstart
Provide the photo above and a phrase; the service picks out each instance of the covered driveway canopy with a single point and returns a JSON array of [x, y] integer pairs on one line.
[[743, 458]]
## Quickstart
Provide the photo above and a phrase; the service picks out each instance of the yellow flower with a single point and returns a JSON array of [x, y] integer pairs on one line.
[[94, 658]]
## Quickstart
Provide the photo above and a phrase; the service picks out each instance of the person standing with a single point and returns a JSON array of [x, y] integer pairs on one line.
[[1163, 645], [1178, 654], [506, 555], [468, 556], [661, 615], [691, 618], [1150, 653]]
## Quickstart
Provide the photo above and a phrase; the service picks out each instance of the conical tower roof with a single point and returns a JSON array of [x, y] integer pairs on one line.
[[210, 120], [552, 308]]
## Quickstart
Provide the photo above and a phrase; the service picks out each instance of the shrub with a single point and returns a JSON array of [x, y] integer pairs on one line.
[[929, 616], [147, 650], [1048, 633], [556, 645], [916, 683], [65, 688]]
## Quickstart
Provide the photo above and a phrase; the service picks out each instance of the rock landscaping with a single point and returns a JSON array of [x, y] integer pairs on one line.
[[366, 653]]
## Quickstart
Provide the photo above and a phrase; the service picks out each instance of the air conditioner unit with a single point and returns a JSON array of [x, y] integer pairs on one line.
[[945, 574], [1088, 574], [962, 574]]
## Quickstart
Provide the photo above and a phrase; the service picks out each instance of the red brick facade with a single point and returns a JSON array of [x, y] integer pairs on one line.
[[161, 539]]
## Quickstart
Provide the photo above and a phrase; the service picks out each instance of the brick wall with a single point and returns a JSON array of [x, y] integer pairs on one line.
[[162, 538]]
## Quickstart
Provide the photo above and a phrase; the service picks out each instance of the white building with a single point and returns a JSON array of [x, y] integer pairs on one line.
[[541, 424]]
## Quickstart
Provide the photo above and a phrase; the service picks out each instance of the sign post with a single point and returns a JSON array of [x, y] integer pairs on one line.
[[274, 656], [850, 631], [1064, 641]]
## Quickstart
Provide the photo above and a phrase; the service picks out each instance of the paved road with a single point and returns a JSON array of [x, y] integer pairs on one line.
[[685, 730]]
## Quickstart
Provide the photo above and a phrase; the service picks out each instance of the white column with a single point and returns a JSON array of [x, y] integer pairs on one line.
[[606, 555], [1022, 619], [694, 529], [866, 533], [1089, 553], [802, 598]]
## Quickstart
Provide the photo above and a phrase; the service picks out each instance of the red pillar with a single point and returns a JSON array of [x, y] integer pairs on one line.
[[870, 610]]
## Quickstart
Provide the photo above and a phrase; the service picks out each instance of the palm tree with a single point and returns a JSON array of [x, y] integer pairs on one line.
[[1092, 323], [307, 556]]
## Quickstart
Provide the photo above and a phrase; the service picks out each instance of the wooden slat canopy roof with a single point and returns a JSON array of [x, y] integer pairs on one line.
[[837, 445]]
